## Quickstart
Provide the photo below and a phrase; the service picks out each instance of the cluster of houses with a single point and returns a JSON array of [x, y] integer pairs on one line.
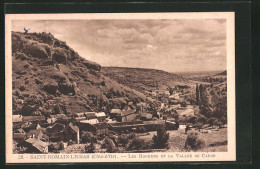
[[37, 132]]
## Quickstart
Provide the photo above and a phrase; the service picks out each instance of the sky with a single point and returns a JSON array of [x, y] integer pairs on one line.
[[173, 45]]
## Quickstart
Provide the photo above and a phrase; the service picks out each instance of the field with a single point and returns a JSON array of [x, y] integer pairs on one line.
[[177, 141]]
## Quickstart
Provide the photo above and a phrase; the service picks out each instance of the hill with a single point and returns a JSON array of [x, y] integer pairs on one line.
[[51, 78], [223, 73], [142, 79]]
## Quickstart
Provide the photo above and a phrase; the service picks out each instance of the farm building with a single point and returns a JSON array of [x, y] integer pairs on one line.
[[73, 133], [19, 135], [35, 134], [173, 102], [17, 118], [125, 126], [90, 115], [101, 128], [36, 146], [101, 116], [57, 127], [30, 126], [146, 116], [114, 113], [154, 124], [33, 118], [85, 127], [96, 129], [128, 115], [85, 115], [91, 121], [56, 132], [57, 136], [51, 120]]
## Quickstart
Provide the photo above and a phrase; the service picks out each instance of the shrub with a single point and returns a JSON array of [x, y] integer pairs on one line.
[[90, 148], [213, 121], [136, 144], [193, 142], [192, 120], [123, 139], [54, 147], [161, 139], [131, 136], [141, 129], [87, 137], [109, 145], [202, 119]]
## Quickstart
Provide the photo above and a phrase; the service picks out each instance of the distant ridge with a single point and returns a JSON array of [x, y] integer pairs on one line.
[[222, 73], [142, 79]]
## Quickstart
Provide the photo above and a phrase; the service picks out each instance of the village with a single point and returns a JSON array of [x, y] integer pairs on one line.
[[40, 134]]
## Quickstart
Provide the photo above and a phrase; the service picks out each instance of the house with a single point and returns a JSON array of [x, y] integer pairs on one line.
[[85, 127], [36, 146], [128, 115], [57, 127], [59, 116], [35, 134], [65, 122], [114, 113], [91, 121], [51, 120], [173, 102], [80, 118], [30, 126], [171, 125], [125, 126], [101, 116], [57, 136], [17, 118], [19, 135], [73, 133], [101, 128], [85, 115], [146, 116], [16, 126], [182, 129], [90, 115], [33, 118], [57, 132]]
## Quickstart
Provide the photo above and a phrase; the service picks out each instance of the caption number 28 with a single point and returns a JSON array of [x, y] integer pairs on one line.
[[20, 156]]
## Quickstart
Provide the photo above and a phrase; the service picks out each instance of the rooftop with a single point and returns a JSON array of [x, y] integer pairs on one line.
[[116, 111]]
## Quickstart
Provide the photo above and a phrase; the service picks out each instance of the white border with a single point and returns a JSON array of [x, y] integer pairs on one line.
[[219, 156]]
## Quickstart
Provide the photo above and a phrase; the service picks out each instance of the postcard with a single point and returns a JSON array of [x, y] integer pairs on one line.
[[120, 87]]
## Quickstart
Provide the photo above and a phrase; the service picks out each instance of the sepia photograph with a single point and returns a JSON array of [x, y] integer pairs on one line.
[[120, 87]]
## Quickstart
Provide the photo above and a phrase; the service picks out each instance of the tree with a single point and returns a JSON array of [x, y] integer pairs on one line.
[[193, 142], [197, 95], [161, 139], [204, 103], [87, 137], [213, 121], [171, 91], [90, 148], [136, 144], [192, 120], [109, 145]]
